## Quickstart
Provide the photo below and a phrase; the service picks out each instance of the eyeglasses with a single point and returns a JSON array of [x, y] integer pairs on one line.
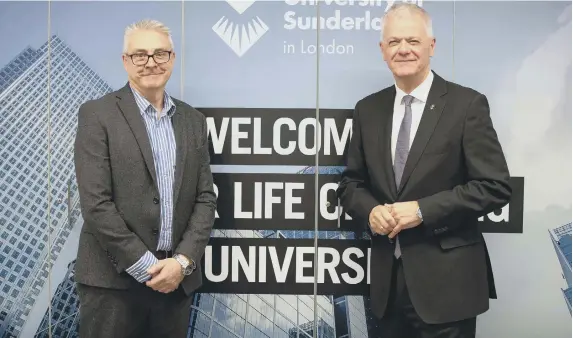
[[141, 59]]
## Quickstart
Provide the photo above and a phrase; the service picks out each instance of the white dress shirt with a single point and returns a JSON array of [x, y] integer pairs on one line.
[[420, 95]]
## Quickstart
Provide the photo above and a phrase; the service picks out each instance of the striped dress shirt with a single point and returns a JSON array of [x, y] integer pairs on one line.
[[162, 140]]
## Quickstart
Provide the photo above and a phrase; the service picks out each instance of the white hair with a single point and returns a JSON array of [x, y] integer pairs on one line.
[[147, 24], [412, 9]]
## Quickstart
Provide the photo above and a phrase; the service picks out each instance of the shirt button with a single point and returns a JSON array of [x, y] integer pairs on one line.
[[156, 200]]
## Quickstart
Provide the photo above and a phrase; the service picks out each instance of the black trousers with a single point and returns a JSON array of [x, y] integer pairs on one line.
[[402, 321], [137, 312]]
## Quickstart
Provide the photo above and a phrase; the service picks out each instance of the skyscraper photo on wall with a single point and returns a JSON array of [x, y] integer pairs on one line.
[[29, 251], [561, 239], [252, 91]]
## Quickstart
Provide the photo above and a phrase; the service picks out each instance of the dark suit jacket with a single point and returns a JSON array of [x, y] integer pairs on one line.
[[457, 172], [119, 195]]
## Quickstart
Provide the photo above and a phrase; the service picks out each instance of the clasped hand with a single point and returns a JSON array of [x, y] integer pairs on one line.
[[390, 219], [165, 275]]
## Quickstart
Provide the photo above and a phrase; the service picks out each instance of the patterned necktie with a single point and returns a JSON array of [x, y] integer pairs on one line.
[[402, 150]]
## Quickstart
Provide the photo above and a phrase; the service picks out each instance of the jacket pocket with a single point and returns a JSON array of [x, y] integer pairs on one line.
[[456, 241]]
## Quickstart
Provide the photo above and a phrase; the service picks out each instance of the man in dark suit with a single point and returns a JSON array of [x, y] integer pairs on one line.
[[147, 199], [424, 164]]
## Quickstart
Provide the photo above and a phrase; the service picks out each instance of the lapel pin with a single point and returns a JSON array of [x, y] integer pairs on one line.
[[431, 107]]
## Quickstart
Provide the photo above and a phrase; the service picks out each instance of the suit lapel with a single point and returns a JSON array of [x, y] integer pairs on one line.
[[180, 130], [130, 110], [430, 117], [386, 114]]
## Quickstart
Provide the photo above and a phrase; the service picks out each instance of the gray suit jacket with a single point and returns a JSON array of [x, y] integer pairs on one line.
[[119, 195]]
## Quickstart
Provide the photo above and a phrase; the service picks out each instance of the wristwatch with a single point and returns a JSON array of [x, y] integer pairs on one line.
[[419, 214], [186, 267]]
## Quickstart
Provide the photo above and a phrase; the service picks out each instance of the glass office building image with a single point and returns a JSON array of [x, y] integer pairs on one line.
[[64, 314], [37, 173], [561, 239]]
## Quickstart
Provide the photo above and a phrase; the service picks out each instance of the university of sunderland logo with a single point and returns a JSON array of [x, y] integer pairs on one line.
[[240, 37]]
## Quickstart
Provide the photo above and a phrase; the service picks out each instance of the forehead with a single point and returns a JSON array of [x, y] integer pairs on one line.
[[405, 24], [148, 40]]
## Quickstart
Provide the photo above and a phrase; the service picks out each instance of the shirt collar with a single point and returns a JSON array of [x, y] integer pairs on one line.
[[421, 92], [146, 107]]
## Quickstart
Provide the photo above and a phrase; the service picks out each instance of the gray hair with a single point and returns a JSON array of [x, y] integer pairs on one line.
[[147, 24], [412, 9]]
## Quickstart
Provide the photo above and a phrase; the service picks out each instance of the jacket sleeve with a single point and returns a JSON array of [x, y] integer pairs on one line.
[[487, 187], [353, 190]]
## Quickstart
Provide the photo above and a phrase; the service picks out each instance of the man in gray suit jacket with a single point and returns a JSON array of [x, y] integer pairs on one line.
[[147, 198]]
